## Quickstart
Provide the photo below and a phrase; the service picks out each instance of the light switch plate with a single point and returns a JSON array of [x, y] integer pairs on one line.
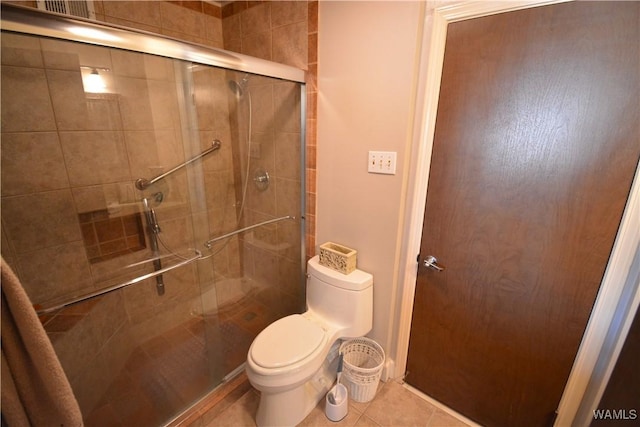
[[383, 162]]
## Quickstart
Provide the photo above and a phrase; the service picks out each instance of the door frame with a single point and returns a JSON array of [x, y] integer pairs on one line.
[[614, 309]]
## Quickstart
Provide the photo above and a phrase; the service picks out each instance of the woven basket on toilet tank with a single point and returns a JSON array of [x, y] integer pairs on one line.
[[337, 257]]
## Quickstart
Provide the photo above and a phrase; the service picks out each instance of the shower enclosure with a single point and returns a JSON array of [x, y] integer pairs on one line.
[[152, 206]]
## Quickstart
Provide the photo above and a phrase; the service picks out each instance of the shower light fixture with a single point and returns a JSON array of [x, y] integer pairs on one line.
[[93, 80]]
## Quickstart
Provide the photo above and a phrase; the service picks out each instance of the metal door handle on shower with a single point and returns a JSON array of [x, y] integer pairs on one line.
[[142, 183], [209, 243]]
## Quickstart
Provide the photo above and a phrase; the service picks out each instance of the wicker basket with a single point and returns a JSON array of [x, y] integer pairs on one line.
[[337, 257], [363, 363]]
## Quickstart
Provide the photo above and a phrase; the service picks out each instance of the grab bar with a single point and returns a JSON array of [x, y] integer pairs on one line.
[[142, 183], [209, 243], [57, 306]]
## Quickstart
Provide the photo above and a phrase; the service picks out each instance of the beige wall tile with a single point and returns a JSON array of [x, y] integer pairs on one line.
[[40, 220], [55, 271], [288, 197], [262, 201], [182, 20], [264, 144], [164, 104], [288, 12], [99, 197], [288, 155], [140, 301], [32, 162], [142, 150], [178, 233], [231, 29], [26, 105], [106, 321], [103, 112], [132, 24], [128, 64], [135, 106], [262, 108], [287, 107], [213, 31], [256, 19], [143, 12], [66, 55], [134, 64], [290, 45], [75, 110], [21, 50], [204, 96], [258, 45], [189, 38], [219, 191], [95, 157], [290, 268], [181, 285], [170, 147]]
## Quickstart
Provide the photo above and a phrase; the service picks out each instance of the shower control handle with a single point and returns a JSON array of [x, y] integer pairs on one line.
[[432, 262]]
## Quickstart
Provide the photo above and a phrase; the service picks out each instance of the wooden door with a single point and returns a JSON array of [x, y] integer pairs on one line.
[[536, 143]]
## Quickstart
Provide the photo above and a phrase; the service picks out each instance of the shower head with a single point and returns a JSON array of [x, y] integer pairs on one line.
[[238, 87]]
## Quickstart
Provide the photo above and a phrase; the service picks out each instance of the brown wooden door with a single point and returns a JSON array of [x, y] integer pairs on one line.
[[537, 140]]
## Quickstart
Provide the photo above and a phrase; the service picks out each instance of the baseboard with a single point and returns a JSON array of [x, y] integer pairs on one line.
[[388, 371]]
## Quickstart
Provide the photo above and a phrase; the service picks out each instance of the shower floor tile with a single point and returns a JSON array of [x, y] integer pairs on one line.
[[168, 373]]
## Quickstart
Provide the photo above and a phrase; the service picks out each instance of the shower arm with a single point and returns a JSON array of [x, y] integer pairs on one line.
[[142, 183], [209, 243]]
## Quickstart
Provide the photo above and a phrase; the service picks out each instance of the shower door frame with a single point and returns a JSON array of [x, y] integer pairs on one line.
[[33, 22], [29, 21]]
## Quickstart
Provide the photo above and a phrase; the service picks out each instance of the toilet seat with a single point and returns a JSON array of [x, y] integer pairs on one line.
[[273, 348]]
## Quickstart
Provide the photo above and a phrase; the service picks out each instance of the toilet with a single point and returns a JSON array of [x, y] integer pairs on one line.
[[293, 361]]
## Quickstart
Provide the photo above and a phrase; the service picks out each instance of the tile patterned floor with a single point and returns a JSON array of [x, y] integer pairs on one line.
[[166, 374], [394, 405]]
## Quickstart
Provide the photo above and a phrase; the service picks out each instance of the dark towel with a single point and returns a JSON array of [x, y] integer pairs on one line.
[[35, 390]]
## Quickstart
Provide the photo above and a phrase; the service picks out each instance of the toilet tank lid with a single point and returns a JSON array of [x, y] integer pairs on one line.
[[357, 280]]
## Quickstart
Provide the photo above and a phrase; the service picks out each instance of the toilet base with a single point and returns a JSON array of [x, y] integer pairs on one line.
[[290, 407]]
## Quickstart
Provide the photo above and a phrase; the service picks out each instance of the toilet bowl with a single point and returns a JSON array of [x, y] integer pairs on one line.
[[293, 361]]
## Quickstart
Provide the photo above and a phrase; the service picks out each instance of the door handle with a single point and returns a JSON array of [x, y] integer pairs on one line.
[[432, 262]]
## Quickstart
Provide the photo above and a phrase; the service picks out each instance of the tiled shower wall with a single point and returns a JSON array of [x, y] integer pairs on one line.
[[281, 31], [284, 32], [66, 154], [62, 132]]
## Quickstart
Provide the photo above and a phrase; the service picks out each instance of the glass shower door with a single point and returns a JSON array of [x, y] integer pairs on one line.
[[105, 187], [80, 124]]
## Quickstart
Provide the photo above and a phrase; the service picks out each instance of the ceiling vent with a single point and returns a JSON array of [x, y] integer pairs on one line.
[[80, 8]]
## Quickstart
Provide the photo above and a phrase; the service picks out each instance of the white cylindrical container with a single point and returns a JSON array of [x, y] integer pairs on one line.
[[337, 403]]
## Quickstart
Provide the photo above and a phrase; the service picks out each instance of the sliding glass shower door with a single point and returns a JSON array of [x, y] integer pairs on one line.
[[152, 209]]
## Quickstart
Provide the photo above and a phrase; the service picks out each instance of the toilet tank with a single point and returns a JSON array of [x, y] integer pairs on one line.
[[345, 300]]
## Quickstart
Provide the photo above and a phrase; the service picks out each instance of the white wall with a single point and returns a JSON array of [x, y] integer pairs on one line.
[[368, 54]]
